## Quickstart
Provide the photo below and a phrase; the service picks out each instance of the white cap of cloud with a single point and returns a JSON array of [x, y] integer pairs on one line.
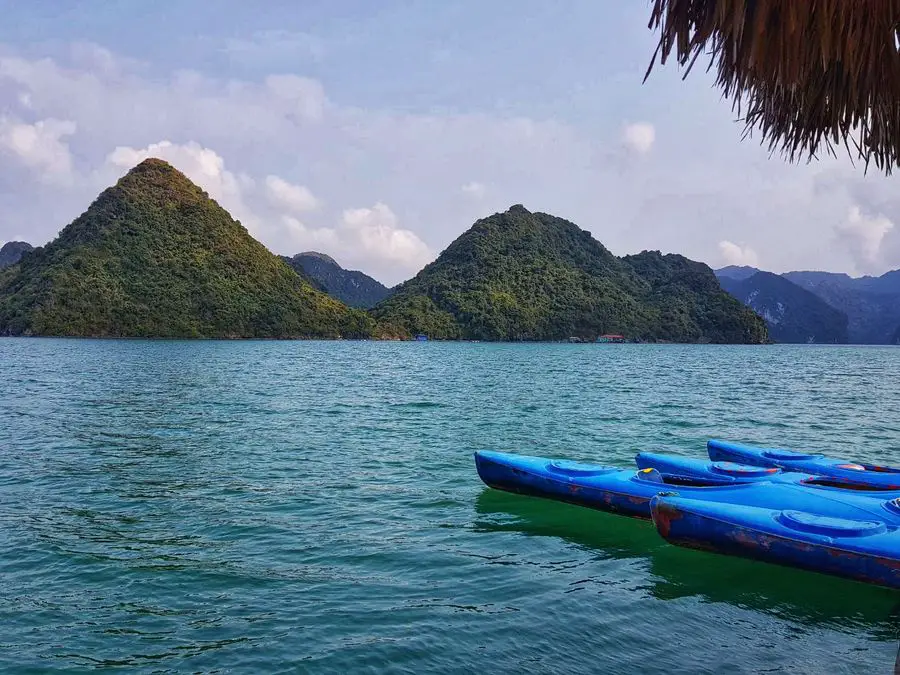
[[40, 146], [734, 254], [378, 232], [370, 239], [639, 137], [294, 198]]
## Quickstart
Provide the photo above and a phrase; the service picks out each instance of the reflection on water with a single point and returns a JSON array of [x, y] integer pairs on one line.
[[786, 593]]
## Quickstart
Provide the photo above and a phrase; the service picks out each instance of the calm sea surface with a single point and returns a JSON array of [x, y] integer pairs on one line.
[[266, 507]]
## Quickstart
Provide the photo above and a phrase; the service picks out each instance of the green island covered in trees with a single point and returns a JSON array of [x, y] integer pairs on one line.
[[155, 256], [531, 276]]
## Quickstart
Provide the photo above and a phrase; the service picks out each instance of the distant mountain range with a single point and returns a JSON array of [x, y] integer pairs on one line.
[[792, 313], [154, 256], [871, 305], [350, 287]]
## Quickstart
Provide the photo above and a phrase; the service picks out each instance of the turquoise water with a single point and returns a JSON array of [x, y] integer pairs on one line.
[[250, 507]]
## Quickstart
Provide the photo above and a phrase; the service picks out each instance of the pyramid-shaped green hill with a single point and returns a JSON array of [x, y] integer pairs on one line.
[[154, 256]]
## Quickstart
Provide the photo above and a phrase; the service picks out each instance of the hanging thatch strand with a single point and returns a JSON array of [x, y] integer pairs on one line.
[[809, 74]]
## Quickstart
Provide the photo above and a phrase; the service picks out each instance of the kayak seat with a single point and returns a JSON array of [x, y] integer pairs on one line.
[[742, 470], [828, 526], [651, 475], [565, 467]]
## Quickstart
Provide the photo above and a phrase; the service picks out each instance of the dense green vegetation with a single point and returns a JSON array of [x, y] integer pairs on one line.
[[349, 286], [155, 256], [792, 313], [531, 276]]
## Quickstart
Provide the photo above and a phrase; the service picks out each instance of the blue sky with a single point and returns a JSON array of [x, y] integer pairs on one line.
[[378, 132]]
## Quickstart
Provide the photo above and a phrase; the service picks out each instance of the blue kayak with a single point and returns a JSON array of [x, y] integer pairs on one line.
[[731, 471], [702, 468], [789, 460], [629, 492], [864, 546]]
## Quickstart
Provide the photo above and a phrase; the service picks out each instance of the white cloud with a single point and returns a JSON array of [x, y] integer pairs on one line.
[[863, 236], [474, 189], [734, 254], [323, 239], [393, 251], [40, 146], [639, 137], [294, 198], [367, 238], [231, 134], [370, 239]]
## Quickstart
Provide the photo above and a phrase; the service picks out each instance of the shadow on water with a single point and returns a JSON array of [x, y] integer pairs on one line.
[[789, 594]]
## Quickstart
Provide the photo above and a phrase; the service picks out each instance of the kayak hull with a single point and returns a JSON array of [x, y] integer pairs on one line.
[[530, 476], [866, 550]]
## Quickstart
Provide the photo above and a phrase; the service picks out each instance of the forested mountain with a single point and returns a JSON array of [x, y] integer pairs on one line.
[[155, 256], [531, 276]]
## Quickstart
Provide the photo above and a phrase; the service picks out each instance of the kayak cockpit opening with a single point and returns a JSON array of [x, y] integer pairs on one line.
[[823, 481], [874, 468], [651, 475]]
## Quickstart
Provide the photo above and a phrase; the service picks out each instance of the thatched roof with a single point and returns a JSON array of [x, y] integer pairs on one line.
[[808, 74]]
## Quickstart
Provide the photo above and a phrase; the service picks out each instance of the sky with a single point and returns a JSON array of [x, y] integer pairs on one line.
[[378, 132]]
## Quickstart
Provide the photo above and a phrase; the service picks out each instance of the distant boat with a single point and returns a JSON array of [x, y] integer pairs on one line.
[[611, 338], [421, 338]]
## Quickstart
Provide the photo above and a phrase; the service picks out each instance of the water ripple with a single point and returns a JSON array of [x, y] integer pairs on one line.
[[250, 507]]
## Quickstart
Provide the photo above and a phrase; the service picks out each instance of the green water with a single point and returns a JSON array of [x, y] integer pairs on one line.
[[266, 507]]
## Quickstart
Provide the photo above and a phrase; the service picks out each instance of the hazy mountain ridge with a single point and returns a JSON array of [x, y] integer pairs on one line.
[[871, 304], [792, 313]]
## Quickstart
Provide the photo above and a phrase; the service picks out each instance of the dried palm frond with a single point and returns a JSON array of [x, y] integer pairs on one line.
[[809, 74]]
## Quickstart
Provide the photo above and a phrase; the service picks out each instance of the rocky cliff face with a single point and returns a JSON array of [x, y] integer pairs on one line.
[[792, 313]]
